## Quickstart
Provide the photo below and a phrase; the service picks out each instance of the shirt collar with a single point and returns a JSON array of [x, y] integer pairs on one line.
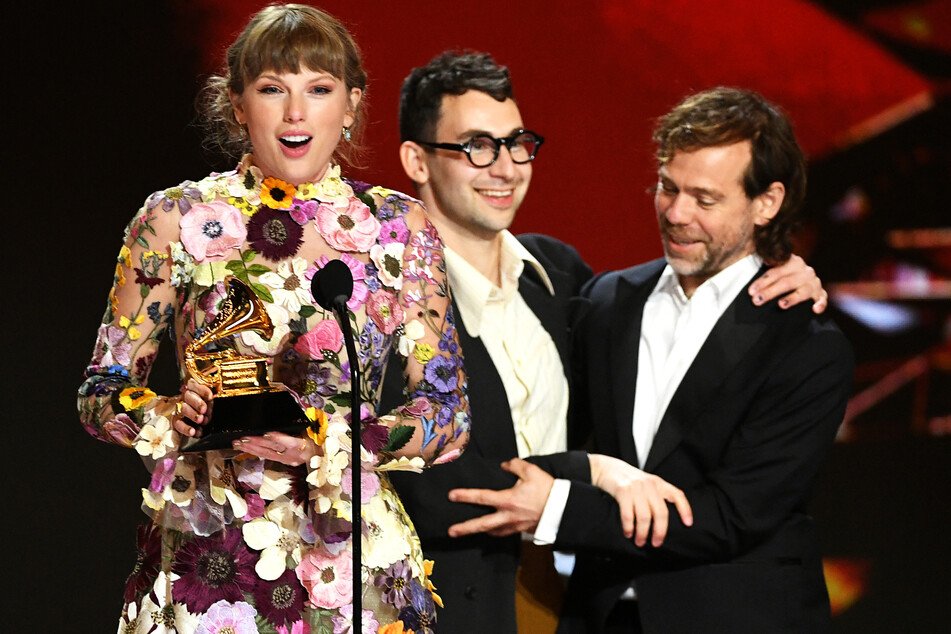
[[724, 286], [472, 291]]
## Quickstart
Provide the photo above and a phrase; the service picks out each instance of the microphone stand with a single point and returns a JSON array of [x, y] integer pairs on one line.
[[356, 464], [332, 287]]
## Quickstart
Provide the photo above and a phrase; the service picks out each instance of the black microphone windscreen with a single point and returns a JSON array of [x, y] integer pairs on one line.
[[332, 283]]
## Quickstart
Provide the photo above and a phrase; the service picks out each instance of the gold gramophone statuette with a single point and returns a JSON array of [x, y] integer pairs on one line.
[[226, 372]]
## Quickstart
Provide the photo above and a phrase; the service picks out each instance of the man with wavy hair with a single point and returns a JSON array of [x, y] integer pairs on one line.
[[679, 376]]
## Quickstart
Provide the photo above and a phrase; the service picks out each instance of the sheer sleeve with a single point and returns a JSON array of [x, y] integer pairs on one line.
[[433, 423], [114, 400]]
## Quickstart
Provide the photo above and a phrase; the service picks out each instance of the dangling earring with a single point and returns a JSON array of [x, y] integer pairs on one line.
[[346, 133]]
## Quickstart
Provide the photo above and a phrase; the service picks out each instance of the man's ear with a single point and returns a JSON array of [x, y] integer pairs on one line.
[[236, 105], [768, 203], [413, 159]]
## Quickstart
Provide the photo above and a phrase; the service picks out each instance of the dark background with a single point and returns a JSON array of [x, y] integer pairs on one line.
[[99, 110]]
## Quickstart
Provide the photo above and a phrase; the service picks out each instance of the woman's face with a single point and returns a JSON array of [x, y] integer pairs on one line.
[[295, 120]]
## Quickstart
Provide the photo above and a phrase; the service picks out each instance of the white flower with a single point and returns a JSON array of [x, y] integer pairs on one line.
[[414, 464], [386, 539], [412, 331], [182, 264], [222, 485], [389, 262], [280, 318], [156, 437], [154, 619], [277, 536], [287, 284]]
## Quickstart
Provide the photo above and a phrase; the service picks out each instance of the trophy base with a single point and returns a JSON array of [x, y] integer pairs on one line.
[[248, 415]]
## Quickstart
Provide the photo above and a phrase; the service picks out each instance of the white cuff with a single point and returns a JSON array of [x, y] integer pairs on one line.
[[547, 530]]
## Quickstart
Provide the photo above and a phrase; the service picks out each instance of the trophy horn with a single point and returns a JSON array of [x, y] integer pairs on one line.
[[242, 310]]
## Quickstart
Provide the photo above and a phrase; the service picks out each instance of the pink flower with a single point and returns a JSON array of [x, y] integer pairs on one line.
[[211, 230], [233, 618], [357, 270], [394, 231], [350, 229], [328, 579], [122, 429], [369, 483], [112, 346], [298, 627], [326, 335], [385, 311]]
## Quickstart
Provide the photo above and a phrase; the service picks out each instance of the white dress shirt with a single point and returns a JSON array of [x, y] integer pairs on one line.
[[522, 351], [673, 329]]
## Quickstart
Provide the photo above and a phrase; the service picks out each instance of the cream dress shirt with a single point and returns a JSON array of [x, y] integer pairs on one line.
[[522, 351]]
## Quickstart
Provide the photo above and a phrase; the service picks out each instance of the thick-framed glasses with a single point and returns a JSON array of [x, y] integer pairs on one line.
[[483, 150]]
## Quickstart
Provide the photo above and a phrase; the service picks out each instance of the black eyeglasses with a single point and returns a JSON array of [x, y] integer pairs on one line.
[[483, 150]]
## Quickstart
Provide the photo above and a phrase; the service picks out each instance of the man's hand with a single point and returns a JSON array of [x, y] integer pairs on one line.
[[792, 275], [517, 509], [642, 498]]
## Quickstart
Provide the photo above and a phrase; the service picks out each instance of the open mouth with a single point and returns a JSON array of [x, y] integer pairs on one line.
[[295, 141]]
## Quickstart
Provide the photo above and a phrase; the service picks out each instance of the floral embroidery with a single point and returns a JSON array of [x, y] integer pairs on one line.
[[250, 543]]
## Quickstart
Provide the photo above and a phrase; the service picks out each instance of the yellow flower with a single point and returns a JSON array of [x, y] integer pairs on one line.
[[125, 256], [423, 352], [277, 194], [428, 570], [135, 397], [243, 205], [319, 417], [394, 628], [113, 300], [120, 276], [306, 191], [133, 333]]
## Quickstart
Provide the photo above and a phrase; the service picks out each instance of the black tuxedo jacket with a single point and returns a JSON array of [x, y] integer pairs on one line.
[[743, 437], [475, 575]]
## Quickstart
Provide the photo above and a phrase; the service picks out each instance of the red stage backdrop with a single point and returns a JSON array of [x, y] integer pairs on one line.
[[592, 76]]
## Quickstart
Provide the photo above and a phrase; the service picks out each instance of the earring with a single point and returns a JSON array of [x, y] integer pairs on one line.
[[346, 133]]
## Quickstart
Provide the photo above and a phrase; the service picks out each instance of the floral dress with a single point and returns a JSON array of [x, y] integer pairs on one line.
[[241, 542]]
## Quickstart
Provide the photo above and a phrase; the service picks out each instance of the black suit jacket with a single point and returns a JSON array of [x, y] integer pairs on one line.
[[475, 575], [743, 437]]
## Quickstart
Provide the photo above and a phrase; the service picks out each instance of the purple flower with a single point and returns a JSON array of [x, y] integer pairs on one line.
[[395, 582], [273, 235], [441, 373], [212, 569], [280, 601], [420, 614], [147, 561], [168, 197]]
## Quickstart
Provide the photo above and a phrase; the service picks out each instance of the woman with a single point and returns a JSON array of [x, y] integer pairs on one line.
[[259, 537]]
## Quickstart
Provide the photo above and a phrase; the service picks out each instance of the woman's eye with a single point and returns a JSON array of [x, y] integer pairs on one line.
[[321, 90], [268, 90]]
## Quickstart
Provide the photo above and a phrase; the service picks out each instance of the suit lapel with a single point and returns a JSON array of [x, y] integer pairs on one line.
[[552, 311], [735, 333], [632, 294]]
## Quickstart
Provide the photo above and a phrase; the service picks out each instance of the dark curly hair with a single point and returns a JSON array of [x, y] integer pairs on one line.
[[450, 73], [728, 115]]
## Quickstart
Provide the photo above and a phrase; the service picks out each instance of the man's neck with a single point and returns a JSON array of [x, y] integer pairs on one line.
[[482, 252]]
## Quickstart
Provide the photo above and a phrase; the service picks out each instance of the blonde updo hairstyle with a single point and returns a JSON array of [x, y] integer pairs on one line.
[[281, 38]]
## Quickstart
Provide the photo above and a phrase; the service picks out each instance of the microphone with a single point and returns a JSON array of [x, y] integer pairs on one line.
[[332, 287]]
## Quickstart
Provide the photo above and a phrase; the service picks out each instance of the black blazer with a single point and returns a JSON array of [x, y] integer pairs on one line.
[[743, 437], [475, 575]]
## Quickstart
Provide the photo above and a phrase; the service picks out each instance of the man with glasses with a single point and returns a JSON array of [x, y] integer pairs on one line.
[[469, 154]]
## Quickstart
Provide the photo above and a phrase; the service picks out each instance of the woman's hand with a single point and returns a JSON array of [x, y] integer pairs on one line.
[[194, 405], [794, 277], [289, 450], [642, 498]]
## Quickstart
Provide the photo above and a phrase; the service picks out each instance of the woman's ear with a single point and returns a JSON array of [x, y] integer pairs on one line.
[[235, 99], [355, 96]]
